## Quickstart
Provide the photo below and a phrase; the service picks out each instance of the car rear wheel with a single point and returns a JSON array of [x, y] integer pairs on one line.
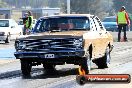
[[86, 64], [104, 61], [25, 67]]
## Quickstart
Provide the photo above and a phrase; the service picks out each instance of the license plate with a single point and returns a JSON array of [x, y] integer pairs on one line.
[[49, 56]]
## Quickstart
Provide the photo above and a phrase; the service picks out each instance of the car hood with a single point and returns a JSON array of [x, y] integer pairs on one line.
[[54, 35], [4, 29], [109, 23]]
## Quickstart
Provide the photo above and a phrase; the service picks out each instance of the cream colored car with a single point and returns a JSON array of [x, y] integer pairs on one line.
[[73, 39], [9, 29]]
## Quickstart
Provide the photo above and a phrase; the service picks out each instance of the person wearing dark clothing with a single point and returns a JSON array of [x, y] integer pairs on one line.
[[25, 18], [122, 21]]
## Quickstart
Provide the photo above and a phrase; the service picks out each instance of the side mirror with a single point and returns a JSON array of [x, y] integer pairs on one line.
[[12, 26], [101, 27]]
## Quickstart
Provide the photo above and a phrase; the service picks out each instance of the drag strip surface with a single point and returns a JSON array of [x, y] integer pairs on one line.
[[64, 76]]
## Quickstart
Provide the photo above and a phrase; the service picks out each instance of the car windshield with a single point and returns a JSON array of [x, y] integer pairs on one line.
[[62, 24], [4, 23], [109, 20]]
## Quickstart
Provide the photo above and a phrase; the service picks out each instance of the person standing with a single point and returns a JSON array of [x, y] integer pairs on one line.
[[122, 21], [29, 23], [24, 23]]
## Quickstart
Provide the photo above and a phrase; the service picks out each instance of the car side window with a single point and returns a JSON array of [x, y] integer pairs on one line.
[[100, 24], [38, 26], [92, 25], [96, 24], [41, 26]]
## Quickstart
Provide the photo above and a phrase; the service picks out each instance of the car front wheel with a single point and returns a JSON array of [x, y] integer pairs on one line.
[[104, 61], [48, 66], [86, 64], [25, 67]]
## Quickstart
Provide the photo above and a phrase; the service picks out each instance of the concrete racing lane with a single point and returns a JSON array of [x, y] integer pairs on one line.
[[65, 75]]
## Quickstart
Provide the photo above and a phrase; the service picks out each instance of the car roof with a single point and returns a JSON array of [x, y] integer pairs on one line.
[[69, 15], [6, 19], [74, 15]]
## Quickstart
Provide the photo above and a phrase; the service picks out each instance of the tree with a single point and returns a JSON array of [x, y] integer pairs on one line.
[[119, 3], [3, 4], [96, 7]]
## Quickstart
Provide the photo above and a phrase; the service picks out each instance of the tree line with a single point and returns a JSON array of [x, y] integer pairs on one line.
[[96, 7]]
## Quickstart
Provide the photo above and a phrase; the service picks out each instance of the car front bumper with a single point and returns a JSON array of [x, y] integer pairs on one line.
[[3, 38], [49, 55]]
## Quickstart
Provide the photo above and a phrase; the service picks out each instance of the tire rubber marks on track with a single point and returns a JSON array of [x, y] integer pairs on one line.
[[121, 52]]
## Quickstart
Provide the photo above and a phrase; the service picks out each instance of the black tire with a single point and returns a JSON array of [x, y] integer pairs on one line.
[[49, 69], [7, 39], [48, 66], [25, 67], [81, 80], [104, 61], [86, 64]]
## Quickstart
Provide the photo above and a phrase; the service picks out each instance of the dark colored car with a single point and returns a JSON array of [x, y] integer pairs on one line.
[[71, 38], [110, 23]]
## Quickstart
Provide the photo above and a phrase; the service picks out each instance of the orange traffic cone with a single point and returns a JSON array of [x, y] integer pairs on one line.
[[81, 71]]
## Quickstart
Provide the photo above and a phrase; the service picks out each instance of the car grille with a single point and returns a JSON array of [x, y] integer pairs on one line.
[[49, 44]]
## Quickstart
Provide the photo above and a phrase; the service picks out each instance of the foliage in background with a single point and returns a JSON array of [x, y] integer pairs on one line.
[[97, 7], [3, 4], [127, 3], [119, 3]]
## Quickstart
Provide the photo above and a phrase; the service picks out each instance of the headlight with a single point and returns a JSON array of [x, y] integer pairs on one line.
[[20, 45], [78, 43], [2, 33]]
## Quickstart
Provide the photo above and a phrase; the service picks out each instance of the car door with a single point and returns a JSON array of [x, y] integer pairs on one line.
[[95, 38], [103, 36], [99, 41]]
